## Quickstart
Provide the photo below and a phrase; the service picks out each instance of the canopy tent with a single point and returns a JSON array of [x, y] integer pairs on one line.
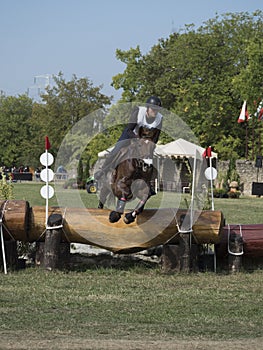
[[180, 148], [184, 149]]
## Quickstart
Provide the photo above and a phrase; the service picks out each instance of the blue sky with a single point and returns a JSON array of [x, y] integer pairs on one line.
[[81, 36]]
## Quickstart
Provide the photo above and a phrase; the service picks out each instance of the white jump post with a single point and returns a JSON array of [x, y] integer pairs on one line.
[[2, 240], [211, 174], [3, 247], [47, 175]]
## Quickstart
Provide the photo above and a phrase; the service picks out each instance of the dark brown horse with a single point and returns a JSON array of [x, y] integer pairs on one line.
[[130, 179]]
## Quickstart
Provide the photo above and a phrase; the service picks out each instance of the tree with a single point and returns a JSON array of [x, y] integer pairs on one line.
[[15, 114], [64, 107], [68, 102], [196, 73], [129, 81], [80, 174], [249, 83], [24, 123]]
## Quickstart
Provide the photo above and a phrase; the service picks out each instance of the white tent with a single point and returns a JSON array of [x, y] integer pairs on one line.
[[180, 148]]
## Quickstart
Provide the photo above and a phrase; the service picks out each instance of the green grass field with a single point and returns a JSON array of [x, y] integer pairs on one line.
[[140, 308], [136, 307], [245, 210]]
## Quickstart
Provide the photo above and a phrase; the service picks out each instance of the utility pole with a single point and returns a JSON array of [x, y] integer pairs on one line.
[[41, 82]]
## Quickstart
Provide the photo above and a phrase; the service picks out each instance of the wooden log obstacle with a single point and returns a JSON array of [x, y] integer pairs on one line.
[[154, 227], [235, 245], [91, 226], [56, 253], [240, 246]]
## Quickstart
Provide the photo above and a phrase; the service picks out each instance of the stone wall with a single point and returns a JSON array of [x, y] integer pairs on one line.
[[247, 171]]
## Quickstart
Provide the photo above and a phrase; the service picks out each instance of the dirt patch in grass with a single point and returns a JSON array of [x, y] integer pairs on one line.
[[14, 342]]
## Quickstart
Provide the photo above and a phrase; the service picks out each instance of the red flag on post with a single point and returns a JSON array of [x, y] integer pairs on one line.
[[47, 143], [208, 152]]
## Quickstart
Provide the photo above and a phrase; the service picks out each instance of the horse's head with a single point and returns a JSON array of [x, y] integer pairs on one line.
[[147, 133], [142, 148]]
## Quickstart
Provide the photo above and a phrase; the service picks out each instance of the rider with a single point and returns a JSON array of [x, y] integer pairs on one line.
[[149, 117]]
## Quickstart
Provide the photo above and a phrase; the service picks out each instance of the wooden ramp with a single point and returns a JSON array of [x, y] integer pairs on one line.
[[91, 226]]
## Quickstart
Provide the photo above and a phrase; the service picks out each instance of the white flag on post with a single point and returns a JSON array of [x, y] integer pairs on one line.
[[243, 116]]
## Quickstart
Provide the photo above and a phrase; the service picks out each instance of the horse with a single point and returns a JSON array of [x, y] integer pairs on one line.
[[129, 179]]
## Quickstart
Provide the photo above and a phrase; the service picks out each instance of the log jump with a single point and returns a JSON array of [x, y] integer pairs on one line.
[[91, 226], [234, 244]]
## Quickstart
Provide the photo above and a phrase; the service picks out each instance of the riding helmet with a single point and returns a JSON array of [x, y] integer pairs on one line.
[[154, 100]]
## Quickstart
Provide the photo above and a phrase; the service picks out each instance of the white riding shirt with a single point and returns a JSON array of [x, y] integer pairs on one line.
[[142, 120]]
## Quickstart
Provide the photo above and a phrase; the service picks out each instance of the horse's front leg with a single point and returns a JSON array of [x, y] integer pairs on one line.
[[131, 216], [143, 193], [122, 190], [115, 215]]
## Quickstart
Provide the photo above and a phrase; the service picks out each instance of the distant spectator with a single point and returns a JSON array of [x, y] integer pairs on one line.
[[15, 170], [37, 174]]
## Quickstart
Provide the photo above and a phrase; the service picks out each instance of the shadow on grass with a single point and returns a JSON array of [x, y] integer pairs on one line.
[[81, 262]]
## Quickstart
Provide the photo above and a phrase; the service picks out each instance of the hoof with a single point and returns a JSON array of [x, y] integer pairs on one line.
[[114, 216], [129, 218]]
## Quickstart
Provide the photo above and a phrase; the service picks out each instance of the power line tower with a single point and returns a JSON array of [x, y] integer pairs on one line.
[[41, 82]]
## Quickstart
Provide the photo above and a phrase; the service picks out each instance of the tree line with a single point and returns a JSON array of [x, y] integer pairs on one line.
[[202, 75]]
